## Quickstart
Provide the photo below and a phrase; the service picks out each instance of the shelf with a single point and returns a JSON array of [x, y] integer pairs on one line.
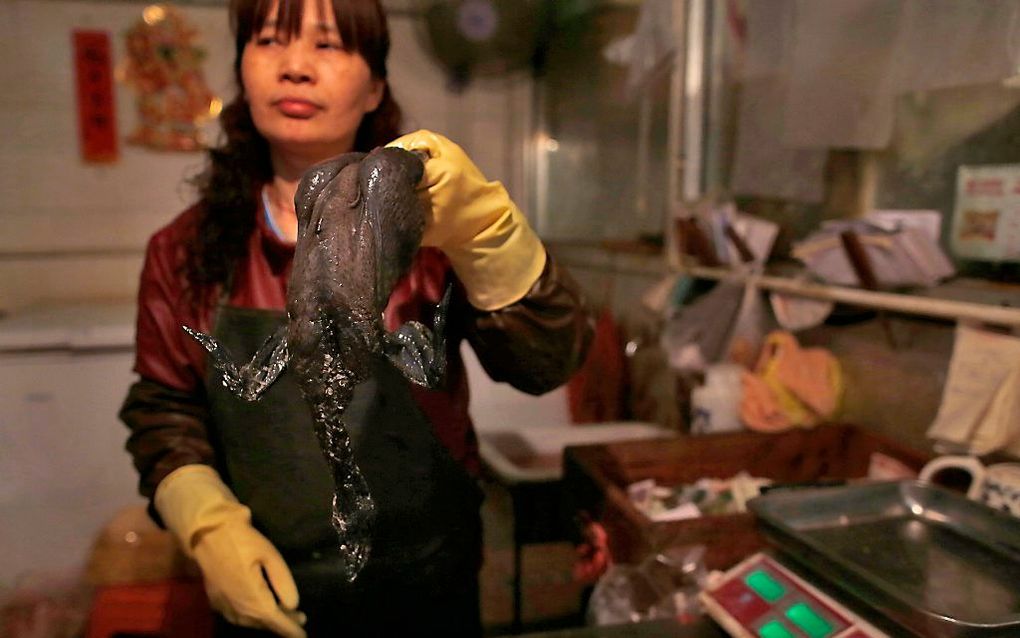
[[954, 310], [922, 304]]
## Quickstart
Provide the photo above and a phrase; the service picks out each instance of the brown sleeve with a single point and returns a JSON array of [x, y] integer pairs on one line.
[[168, 430], [537, 343]]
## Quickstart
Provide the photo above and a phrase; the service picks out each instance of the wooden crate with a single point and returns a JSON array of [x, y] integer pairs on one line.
[[596, 478]]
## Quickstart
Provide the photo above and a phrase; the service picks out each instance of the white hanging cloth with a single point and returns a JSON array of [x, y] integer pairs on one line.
[[763, 165], [947, 43], [980, 411], [842, 69], [649, 49]]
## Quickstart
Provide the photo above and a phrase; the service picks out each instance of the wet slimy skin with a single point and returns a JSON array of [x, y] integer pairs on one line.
[[359, 227]]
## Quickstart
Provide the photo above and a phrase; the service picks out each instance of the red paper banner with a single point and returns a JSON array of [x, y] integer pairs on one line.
[[97, 121]]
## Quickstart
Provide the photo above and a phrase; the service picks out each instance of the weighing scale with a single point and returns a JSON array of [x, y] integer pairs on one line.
[[760, 598], [877, 560]]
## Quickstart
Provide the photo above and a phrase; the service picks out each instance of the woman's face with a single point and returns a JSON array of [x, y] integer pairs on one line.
[[307, 94]]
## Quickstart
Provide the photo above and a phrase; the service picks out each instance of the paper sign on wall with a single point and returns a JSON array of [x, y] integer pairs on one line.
[[986, 221], [97, 122]]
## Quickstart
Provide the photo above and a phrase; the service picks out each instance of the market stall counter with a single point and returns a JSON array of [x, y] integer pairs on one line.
[[596, 479]]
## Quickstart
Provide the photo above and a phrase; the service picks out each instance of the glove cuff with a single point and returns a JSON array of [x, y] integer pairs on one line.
[[192, 500]]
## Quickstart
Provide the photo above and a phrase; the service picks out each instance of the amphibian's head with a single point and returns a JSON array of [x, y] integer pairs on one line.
[[360, 222]]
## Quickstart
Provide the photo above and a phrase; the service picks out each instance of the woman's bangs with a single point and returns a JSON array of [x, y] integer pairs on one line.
[[362, 27], [287, 16]]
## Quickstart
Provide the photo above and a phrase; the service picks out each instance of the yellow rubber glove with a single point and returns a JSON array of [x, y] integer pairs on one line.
[[215, 529], [493, 250]]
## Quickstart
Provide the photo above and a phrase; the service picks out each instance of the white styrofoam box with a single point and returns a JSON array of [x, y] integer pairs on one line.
[[64, 371], [63, 468], [499, 406], [539, 424], [553, 440], [502, 450]]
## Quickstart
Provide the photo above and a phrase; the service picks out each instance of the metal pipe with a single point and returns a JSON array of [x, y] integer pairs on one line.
[[893, 302], [694, 101], [674, 132]]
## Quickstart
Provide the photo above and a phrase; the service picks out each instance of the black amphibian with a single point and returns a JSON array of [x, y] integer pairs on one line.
[[359, 227]]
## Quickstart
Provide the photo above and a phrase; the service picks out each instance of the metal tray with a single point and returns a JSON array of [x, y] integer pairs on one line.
[[928, 559]]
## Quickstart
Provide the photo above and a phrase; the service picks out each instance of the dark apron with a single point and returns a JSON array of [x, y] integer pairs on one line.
[[421, 577]]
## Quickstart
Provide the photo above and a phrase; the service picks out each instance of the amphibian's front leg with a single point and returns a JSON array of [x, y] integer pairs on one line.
[[418, 352], [250, 380]]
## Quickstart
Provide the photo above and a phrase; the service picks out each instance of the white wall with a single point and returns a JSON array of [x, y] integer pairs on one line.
[[74, 231]]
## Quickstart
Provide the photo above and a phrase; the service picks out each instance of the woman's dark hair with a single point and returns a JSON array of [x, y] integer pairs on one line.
[[229, 184]]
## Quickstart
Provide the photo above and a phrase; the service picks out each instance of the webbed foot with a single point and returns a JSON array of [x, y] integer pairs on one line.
[[420, 353], [250, 380]]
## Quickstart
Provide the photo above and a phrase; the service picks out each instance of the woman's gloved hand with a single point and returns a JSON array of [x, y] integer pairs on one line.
[[215, 529], [493, 250]]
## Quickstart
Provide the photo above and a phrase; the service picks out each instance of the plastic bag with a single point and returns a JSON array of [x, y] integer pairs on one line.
[[751, 325], [697, 333], [726, 324], [715, 406], [664, 585]]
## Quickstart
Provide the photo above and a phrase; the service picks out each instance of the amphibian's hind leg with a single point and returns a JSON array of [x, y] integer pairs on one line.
[[418, 352], [249, 381]]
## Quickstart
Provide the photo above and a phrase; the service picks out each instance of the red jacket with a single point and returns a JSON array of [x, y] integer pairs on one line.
[[533, 344]]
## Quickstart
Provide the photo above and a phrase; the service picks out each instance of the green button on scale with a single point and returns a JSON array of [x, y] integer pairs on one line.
[[809, 621], [774, 629], [765, 585]]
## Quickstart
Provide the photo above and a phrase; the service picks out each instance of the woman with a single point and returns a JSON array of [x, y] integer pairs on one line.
[[244, 486]]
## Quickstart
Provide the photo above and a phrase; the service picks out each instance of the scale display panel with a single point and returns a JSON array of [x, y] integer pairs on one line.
[[759, 598]]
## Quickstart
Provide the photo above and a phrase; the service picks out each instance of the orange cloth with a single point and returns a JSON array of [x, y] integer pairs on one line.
[[812, 375], [790, 386], [759, 409]]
